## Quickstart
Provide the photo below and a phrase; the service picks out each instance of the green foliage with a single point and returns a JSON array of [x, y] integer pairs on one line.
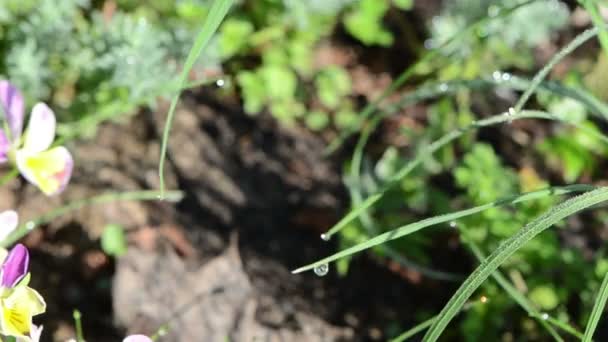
[[283, 35], [364, 22], [99, 60], [113, 240]]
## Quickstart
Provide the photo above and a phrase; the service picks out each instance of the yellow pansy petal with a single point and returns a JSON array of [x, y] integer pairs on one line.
[[16, 321], [27, 298], [49, 170]]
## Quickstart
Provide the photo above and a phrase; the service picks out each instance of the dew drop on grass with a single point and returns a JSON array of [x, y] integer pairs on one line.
[[220, 83], [30, 225], [453, 224], [506, 76], [544, 316], [160, 197], [497, 76], [325, 237], [321, 270], [511, 113]]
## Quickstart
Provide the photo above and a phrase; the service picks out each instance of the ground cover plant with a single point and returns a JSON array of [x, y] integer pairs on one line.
[[321, 170]]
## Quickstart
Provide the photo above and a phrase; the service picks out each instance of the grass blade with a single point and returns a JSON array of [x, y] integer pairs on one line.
[[505, 250], [517, 296], [218, 11], [146, 195], [413, 331], [429, 150], [591, 6], [540, 76], [598, 308], [416, 226]]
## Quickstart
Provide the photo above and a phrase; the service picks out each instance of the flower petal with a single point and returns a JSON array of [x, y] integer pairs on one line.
[[35, 333], [16, 321], [17, 310], [137, 338], [40, 131], [49, 170], [11, 101], [5, 146], [8, 222], [15, 266], [27, 298]]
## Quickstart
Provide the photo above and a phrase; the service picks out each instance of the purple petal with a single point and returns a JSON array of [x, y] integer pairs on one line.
[[11, 101], [5, 146], [15, 266], [137, 338]]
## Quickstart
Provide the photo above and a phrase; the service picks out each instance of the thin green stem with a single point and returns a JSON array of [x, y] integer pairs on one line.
[[598, 308], [78, 324], [144, 195]]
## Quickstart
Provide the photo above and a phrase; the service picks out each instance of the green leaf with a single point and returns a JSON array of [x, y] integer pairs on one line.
[[365, 22], [317, 120], [545, 297], [332, 85], [280, 82], [253, 91], [234, 36], [404, 4], [113, 240]]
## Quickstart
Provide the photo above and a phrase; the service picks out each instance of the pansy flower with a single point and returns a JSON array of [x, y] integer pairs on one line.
[[49, 168], [137, 338], [18, 302]]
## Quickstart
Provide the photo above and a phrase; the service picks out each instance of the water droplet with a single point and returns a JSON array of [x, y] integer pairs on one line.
[[325, 237], [321, 270], [544, 316], [512, 111], [506, 76], [453, 224], [160, 197], [220, 83], [497, 76], [483, 299], [443, 87], [30, 225]]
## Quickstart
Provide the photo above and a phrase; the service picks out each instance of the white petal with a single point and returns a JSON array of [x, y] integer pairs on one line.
[[8, 222], [41, 129]]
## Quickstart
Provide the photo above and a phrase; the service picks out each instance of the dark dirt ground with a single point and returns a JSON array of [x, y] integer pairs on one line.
[[216, 265]]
